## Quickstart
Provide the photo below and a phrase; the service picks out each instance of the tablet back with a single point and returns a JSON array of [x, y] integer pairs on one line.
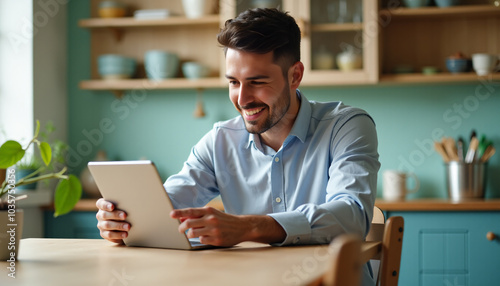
[[136, 188]]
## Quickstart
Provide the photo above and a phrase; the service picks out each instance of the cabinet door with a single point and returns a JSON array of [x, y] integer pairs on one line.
[[325, 35], [337, 35], [449, 248]]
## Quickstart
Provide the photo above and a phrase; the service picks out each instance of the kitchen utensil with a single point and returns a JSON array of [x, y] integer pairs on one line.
[[490, 151], [451, 148], [460, 148], [471, 152], [438, 146]]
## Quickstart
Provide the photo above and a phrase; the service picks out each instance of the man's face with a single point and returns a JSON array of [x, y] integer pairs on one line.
[[257, 89]]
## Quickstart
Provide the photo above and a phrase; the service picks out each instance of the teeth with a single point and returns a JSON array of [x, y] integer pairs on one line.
[[255, 111]]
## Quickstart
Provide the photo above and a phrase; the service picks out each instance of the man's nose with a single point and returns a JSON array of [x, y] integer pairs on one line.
[[244, 95]]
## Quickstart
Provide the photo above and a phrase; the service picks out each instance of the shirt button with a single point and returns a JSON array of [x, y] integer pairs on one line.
[[278, 200], [277, 159]]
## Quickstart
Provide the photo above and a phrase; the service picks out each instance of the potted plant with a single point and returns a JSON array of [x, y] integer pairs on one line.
[[67, 194]]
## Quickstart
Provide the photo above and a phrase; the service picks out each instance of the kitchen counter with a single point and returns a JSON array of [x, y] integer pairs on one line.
[[408, 205], [440, 205]]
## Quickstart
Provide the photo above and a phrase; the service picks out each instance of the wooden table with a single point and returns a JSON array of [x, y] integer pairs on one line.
[[99, 262]]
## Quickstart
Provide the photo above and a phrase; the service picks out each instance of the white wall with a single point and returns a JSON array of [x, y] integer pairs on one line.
[[33, 76], [16, 72]]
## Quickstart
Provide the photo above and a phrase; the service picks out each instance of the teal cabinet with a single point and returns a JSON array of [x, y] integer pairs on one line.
[[76, 224], [449, 248]]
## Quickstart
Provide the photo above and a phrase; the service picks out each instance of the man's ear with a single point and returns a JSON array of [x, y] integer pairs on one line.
[[295, 74]]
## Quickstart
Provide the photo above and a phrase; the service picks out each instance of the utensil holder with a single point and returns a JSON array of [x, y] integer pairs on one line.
[[466, 180]]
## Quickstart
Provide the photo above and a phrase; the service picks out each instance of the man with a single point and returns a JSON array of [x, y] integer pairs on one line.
[[289, 171]]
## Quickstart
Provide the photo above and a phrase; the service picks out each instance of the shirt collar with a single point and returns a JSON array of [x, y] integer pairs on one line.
[[300, 126]]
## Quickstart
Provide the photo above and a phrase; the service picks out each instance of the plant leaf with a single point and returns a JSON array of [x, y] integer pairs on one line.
[[10, 153], [68, 192], [46, 152]]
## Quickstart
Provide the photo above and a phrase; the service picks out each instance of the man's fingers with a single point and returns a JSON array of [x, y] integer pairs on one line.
[[114, 215], [104, 205], [190, 212]]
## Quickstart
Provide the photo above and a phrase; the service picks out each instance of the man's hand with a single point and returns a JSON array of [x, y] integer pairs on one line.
[[217, 228], [111, 222]]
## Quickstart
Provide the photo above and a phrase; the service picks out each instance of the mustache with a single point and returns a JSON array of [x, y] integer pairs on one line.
[[252, 105]]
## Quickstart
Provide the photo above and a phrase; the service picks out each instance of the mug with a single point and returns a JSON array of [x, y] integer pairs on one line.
[[395, 185], [484, 64]]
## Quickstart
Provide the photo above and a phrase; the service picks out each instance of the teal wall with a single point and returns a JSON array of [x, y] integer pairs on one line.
[[159, 125]]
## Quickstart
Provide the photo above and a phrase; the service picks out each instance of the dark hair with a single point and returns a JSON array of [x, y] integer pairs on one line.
[[262, 31]]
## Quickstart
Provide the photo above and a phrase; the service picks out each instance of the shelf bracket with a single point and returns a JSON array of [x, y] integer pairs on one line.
[[117, 33], [118, 93]]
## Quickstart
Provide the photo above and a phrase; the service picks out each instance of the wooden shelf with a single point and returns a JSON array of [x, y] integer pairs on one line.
[[436, 78], [130, 22], [440, 205], [459, 11], [333, 27], [145, 84]]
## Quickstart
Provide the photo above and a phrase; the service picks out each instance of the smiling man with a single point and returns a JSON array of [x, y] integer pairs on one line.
[[288, 170]]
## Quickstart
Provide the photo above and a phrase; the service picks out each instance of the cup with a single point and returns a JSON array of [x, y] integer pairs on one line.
[[484, 64], [395, 185], [161, 64]]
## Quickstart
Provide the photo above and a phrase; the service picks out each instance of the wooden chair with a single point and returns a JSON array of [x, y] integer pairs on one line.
[[383, 243]]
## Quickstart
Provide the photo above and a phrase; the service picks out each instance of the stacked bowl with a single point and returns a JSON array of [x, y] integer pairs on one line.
[[161, 64], [112, 66]]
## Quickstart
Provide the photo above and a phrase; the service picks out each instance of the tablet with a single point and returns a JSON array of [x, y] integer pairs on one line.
[[136, 188]]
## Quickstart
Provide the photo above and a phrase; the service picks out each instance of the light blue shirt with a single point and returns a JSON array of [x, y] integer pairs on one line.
[[319, 184]]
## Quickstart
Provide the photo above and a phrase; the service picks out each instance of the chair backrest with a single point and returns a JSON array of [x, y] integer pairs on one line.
[[347, 258]]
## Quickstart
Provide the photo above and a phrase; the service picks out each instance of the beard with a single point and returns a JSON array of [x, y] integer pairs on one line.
[[276, 113]]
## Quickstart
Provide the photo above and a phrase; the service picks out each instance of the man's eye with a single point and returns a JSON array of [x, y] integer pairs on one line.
[[233, 82], [258, 82]]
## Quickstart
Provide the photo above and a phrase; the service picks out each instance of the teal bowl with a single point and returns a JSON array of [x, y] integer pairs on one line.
[[161, 64], [416, 3], [447, 3], [194, 70], [113, 66], [457, 65]]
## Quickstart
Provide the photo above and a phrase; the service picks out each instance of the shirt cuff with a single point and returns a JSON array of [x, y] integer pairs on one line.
[[296, 226]]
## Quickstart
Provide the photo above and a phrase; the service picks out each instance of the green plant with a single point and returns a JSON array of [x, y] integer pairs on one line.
[[68, 190]]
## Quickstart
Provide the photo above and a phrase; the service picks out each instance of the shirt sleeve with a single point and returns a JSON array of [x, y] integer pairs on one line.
[[194, 185], [350, 192]]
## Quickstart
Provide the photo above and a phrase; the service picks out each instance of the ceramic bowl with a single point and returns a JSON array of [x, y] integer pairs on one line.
[[112, 66], [194, 70], [416, 3], [446, 3], [198, 8], [111, 9], [456, 65], [161, 64]]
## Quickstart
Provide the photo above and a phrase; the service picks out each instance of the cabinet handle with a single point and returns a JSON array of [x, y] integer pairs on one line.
[[491, 236]]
